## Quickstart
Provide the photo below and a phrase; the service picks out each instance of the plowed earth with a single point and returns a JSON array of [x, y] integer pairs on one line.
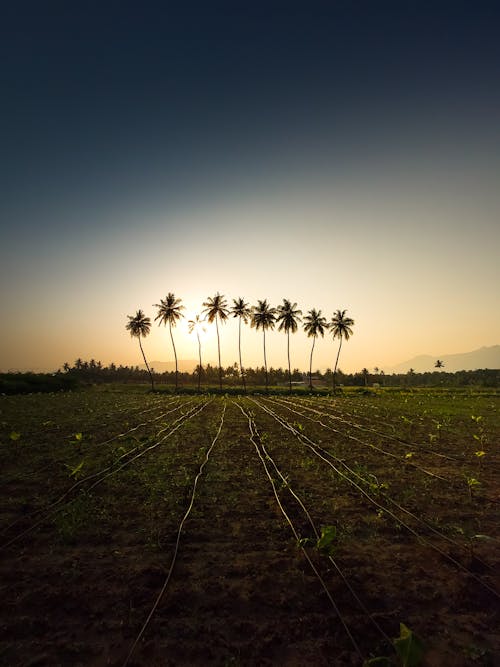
[[89, 533]]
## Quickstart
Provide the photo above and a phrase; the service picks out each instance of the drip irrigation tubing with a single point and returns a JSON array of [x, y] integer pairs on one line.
[[402, 441], [89, 477], [318, 451], [177, 542], [362, 606], [297, 538], [57, 506], [361, 442]]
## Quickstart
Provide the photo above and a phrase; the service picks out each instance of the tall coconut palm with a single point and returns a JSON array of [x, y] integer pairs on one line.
[[169, 311], [341, 328], [216, 309], [139, 326], [314, 325], [242, 311], [196, 325], [263, 317], [288, 316]]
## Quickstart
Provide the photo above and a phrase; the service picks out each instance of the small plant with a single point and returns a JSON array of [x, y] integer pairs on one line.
[[75, 472], [326, 542], [472, 483], [408, 647], [14, 436]]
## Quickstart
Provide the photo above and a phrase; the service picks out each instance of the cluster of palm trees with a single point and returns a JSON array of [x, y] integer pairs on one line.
[[261, 316]]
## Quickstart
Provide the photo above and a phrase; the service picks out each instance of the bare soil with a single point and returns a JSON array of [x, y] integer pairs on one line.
[[77, 588]]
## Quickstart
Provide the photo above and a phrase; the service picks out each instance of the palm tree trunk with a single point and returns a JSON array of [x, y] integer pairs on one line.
[[265, 363], [336, 362], [241, 365], [175, 355], [289, 369], [311, 364], [149, 370], [218, 348], [199, 367]]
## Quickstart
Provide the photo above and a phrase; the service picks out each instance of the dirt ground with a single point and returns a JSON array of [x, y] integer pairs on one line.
[[77, 589]]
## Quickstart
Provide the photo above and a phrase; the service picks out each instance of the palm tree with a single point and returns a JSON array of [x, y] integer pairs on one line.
[[241, 310], [439, 364], [140, 325], [196, 325], [314, 324], [263, 317], [169, 310], [340, 327], [288, 317], [216, 309]]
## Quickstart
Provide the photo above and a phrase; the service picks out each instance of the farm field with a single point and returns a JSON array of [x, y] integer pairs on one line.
[[154, 529]]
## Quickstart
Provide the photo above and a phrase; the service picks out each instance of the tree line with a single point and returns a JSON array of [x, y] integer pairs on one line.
[[262, 316], [95, 372]]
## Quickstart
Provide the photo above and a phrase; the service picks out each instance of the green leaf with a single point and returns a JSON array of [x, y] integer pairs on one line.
[[377, 662], [78, 437], [14, 436], [327, 539], [408, 647], [75, 471]]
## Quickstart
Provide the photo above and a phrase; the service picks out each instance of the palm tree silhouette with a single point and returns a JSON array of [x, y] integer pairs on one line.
[[241, 310], [196, 325], [340, 327], [140, 325], [288, 316], [216, 309], [169, 310], [263, 317], [439, 364], [314, 324]]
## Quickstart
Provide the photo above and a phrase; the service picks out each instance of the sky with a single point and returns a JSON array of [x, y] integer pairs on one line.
[[342, 154]]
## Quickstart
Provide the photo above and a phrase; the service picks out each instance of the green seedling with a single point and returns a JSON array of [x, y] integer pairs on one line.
[[408, 647], [14, 436], [472, 483], [75, 472], [326, 542]]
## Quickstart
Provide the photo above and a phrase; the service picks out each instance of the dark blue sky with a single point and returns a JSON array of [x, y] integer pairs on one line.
[[156, 100]]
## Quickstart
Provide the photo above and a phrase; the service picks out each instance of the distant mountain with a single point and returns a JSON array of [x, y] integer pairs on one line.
[[485, 357], [184, 365]]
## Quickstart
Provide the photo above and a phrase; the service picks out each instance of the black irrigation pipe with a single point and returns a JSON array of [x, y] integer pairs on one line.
[[57, 506], [297, 537], [89, 477], [388, 498], [317, 450], [176, 549], [57, 427], [89, 447], [358, 440], [402, 441], [254, 431]]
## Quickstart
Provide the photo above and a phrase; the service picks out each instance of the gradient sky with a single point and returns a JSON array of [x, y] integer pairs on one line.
[[339, 154]]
